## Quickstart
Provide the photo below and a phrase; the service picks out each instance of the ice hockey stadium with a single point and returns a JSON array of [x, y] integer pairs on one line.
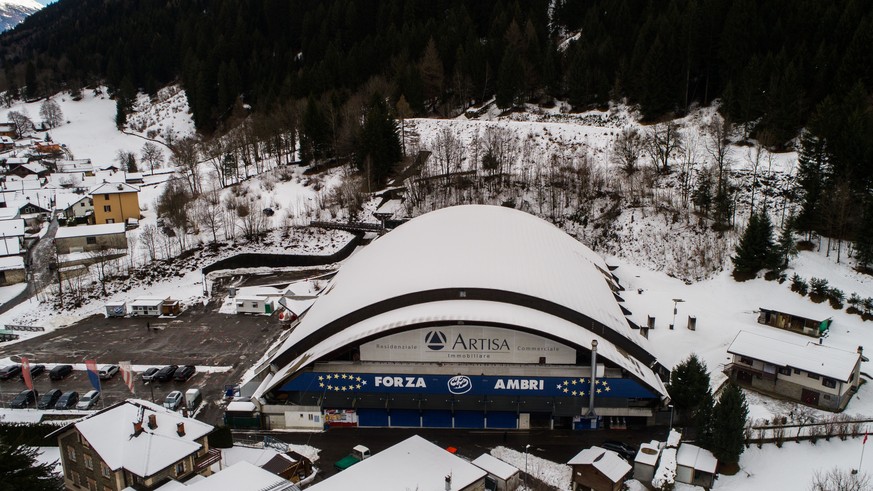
[[466, 317]]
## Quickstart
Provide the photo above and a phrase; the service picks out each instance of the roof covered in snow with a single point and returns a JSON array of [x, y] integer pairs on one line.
[[475, 247], [495, 466], [89, 230], [241, 476], [414, 463], [606, 461], [696, 458], [648, 453], [114, 188], [111, 434], [12, 228], [11, 262], [811, 357]]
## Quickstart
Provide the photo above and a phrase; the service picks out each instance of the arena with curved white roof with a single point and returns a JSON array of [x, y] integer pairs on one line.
[[470, 316]]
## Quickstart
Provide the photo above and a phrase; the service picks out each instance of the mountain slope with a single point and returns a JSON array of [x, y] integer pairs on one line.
[[12, 12]]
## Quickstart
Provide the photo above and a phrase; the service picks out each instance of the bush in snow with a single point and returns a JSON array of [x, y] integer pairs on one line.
[[818, 289], [836, 297], [799, 285], [855, 303]]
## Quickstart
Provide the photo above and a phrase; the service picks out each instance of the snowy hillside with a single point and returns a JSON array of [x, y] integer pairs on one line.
[[12, 12]]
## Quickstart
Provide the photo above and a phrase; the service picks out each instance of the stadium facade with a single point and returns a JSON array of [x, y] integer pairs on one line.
[[467, 317]]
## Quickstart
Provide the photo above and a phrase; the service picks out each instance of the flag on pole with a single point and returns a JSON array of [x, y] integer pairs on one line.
[[127, 374], [866, 433], [93, 374], [25, 372]]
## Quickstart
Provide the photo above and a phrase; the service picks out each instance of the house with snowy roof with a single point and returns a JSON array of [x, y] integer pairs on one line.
[[816, 375], [115, 202], [599, 469], [134, 444]]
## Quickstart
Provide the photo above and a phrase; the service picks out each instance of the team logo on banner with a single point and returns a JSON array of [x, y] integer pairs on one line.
[[460, 384], [435, 340]]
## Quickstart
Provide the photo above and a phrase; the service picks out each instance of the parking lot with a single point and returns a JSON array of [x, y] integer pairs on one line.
[[199, 336]]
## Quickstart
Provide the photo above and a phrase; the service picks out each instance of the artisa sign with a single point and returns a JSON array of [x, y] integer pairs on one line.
[[372, 383], [465, 343]]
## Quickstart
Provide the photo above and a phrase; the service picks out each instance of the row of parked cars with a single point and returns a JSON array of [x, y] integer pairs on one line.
[[59, 372], [55, 399], [169, 372]]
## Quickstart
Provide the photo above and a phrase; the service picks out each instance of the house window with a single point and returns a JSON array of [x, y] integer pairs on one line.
[[82, 204], [110, 220], [106, 197], [107, 208], [796, 371], [746, 360], [829, 382], [812, 375], [826, 397], [85, 443], [180, 468], [785, 370], [104, 469], [254, 305], [92, 485], [89, 462], [74, 476], [91, 240], [71, 453]]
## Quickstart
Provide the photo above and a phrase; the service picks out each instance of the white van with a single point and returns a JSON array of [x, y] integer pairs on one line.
[[193, 398]]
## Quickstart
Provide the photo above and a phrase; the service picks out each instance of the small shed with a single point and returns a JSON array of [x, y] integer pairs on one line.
[[289, 465], [116, 309], [599, 469], [501, 476], [646, 461], [12, 270], [252, 304], [695, 465], [146, 307], [171, 307], [794, 322]]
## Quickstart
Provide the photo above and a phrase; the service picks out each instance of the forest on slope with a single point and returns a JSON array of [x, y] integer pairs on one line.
[[777, 67]]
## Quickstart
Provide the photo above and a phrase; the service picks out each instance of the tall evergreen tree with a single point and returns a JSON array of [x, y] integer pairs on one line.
[[689, 382], [315, 132], [812, 164], [379, 144], [728, 423], [19, 469], [756, 250], [703, 420]]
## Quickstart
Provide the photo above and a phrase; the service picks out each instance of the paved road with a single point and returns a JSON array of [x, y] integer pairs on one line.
[[554, 445], [39, 275]]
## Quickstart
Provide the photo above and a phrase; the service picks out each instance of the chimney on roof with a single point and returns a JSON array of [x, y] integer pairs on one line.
[[137, 428], [449, 482], [119, 187], [184, 411], [860, 350], [153, 421], [180, 428]]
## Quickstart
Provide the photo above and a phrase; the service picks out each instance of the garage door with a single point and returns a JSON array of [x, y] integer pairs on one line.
[[469, 419], [437, 419], [405, 418], [372, 417], [501, 419]]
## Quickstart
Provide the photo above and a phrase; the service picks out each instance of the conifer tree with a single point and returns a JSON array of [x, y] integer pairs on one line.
[[379, 144], [703, 420], [728, 423], [756, 250], [689, 382], [19, 469], [812, 162]]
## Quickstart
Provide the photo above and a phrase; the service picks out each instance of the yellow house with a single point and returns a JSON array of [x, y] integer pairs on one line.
[[115, 202]]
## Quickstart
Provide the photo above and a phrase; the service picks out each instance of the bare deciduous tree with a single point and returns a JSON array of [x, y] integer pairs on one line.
[[51, 113], [149, 237], [186, 157], [627, 149], [662, 141], [838, 479], [21, 121], [209, 214], [152, 155]]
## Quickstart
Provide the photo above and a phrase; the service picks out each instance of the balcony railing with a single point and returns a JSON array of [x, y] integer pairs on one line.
[[746, 368], [212, 456]]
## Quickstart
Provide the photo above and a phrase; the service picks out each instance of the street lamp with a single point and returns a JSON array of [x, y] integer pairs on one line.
[[676, 302], [671, 421], [526, 447]]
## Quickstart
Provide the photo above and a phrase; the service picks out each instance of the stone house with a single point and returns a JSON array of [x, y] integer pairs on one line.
[[86, 238]]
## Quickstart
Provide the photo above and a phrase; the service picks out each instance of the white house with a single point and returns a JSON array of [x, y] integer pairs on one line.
[[695, 465], [254, 304], [599, 469], [816, 375], [146, 307], [501, 476]]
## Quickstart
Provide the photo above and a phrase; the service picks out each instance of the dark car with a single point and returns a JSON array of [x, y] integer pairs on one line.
[[34, 371], [166, 373], [184, 373], [149, 374], [23, 399], [60, 372], [49, 399], [626, 451], [68, 400], [9, 371]]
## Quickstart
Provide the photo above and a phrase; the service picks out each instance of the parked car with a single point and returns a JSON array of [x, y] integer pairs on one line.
[[49, 399], [184, 373], [173, 400], [107, 371], [23, 399], [9, 371], [60, 372], [34, 371], [166, 373], [88, 400], [68, 400], [149, 374], [626, 451]]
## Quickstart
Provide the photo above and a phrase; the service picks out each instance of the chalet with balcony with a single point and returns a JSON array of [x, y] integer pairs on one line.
[[134, 444], [815, 375]]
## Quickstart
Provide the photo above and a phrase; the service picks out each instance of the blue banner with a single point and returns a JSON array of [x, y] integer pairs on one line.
[[465, 384]]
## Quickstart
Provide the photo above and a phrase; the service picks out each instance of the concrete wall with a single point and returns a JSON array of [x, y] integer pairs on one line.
[[106, 241], [12, 276], [294, 417]]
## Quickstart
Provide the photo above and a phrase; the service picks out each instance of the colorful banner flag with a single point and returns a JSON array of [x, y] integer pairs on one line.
[[93, 374], [127, 374], [25, 372], [865, 438]]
